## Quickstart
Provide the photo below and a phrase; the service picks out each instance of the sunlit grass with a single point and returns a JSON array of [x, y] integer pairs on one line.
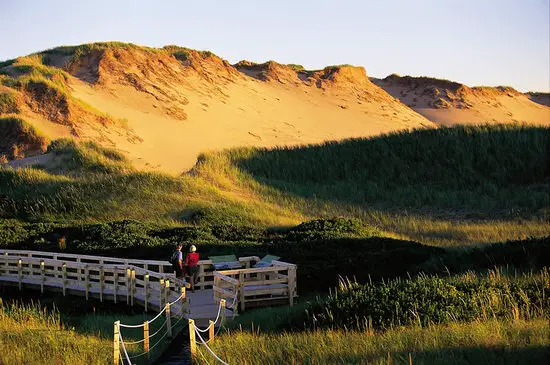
[[488, 342]]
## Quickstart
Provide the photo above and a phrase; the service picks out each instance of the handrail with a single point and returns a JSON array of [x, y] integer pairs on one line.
[[87, 257], [91, 265], [253, 270], [226, 278]]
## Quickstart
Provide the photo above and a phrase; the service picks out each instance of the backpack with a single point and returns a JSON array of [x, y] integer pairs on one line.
[[174, 261]]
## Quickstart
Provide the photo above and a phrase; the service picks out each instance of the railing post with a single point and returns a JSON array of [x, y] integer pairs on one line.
[[146, 284], [161, 298], [211, 330], [6, 264], [79, 270], [291, 284], [183, 299], [128, 285], [167, 291], [133, 286], [115, 284], [241, 292], [101, 283], [64, 277], [87, 280], [168, 320], [222, 304], [116, 343], [201, 278], [192, 340], [19, 272], [146, 337], [42, 276]]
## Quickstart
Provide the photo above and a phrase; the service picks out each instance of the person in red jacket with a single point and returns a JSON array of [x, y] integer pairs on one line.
[[192, 264]]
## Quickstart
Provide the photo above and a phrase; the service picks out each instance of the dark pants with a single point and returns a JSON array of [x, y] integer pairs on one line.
[[193, 272]]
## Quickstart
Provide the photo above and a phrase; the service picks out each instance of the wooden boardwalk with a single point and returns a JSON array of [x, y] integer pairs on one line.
[[151, 285]]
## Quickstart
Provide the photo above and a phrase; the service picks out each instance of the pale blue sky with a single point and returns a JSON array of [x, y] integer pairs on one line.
[[483, 42]]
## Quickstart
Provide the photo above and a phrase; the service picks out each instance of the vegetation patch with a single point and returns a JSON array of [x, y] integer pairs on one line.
[[20, 139]]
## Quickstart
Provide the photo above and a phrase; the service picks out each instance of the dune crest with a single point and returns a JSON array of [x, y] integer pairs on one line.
[[447, 103]]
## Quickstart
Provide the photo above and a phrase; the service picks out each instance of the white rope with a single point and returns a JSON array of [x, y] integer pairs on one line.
[[160, 329], [234, 299], [213, 323], [135, 342], [131, 326], [124, 348], [158, 315], [205, 345], [174, 302]]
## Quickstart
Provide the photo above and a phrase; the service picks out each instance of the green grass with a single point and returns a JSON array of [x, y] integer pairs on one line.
[[8, 103], [31, 335], [457, 186], [20, 138], [489, 342]]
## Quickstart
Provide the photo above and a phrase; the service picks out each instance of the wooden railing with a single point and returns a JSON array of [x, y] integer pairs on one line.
[[92, 276], [206, 271], [258, 286]]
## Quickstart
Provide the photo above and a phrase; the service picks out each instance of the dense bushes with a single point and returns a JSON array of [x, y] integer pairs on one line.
[[425, 300], [323, 250]]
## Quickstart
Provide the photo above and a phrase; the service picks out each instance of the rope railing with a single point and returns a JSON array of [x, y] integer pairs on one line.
[[120, 346]]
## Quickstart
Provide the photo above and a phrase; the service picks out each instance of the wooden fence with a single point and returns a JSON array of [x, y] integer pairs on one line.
[[256, 286], [106, 278]]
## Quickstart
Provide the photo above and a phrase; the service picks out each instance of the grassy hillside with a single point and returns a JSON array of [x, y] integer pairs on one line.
[[448, 186]]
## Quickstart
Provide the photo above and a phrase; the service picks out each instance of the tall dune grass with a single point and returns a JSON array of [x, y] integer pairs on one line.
[[447, 187]]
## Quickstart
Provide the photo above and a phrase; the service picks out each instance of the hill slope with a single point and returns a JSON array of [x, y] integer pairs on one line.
[[165, 106], [448, 103]]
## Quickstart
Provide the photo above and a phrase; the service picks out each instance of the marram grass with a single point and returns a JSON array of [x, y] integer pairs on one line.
[[477, 343]]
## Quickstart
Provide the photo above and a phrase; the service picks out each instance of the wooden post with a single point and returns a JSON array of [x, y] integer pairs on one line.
[[167, 291], [146, 284], [222, 304], [116, 344], [241, 292], [79, 270], [133, 286], [42, 276], [64, 277], [211, 330], [161, 298], [128, 285], [115, 284], [182, 302], [161, 269], [87, 280], [201, 277], [192, 340], [389, 358], [291, 284], [101, 283], [410, 359], [168, 320], [6, 264], [19, 272], [146, 337]]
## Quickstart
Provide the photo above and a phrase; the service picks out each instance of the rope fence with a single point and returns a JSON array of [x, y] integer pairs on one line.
[[120, 346]]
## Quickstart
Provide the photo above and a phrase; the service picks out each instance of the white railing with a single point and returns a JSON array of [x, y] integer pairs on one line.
[[90, 276]]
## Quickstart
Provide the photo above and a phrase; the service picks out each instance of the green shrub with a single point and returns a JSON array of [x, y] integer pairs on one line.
[[427, 300]]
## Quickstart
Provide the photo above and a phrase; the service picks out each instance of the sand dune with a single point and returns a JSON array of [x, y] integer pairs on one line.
[[164, 109], [447, 103]]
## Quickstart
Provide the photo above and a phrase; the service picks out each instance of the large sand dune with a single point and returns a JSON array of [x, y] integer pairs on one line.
[[448, 103], [164, 108]]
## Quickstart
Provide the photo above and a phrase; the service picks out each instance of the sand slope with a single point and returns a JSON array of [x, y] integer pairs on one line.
[[175, 106], [447, 103]]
